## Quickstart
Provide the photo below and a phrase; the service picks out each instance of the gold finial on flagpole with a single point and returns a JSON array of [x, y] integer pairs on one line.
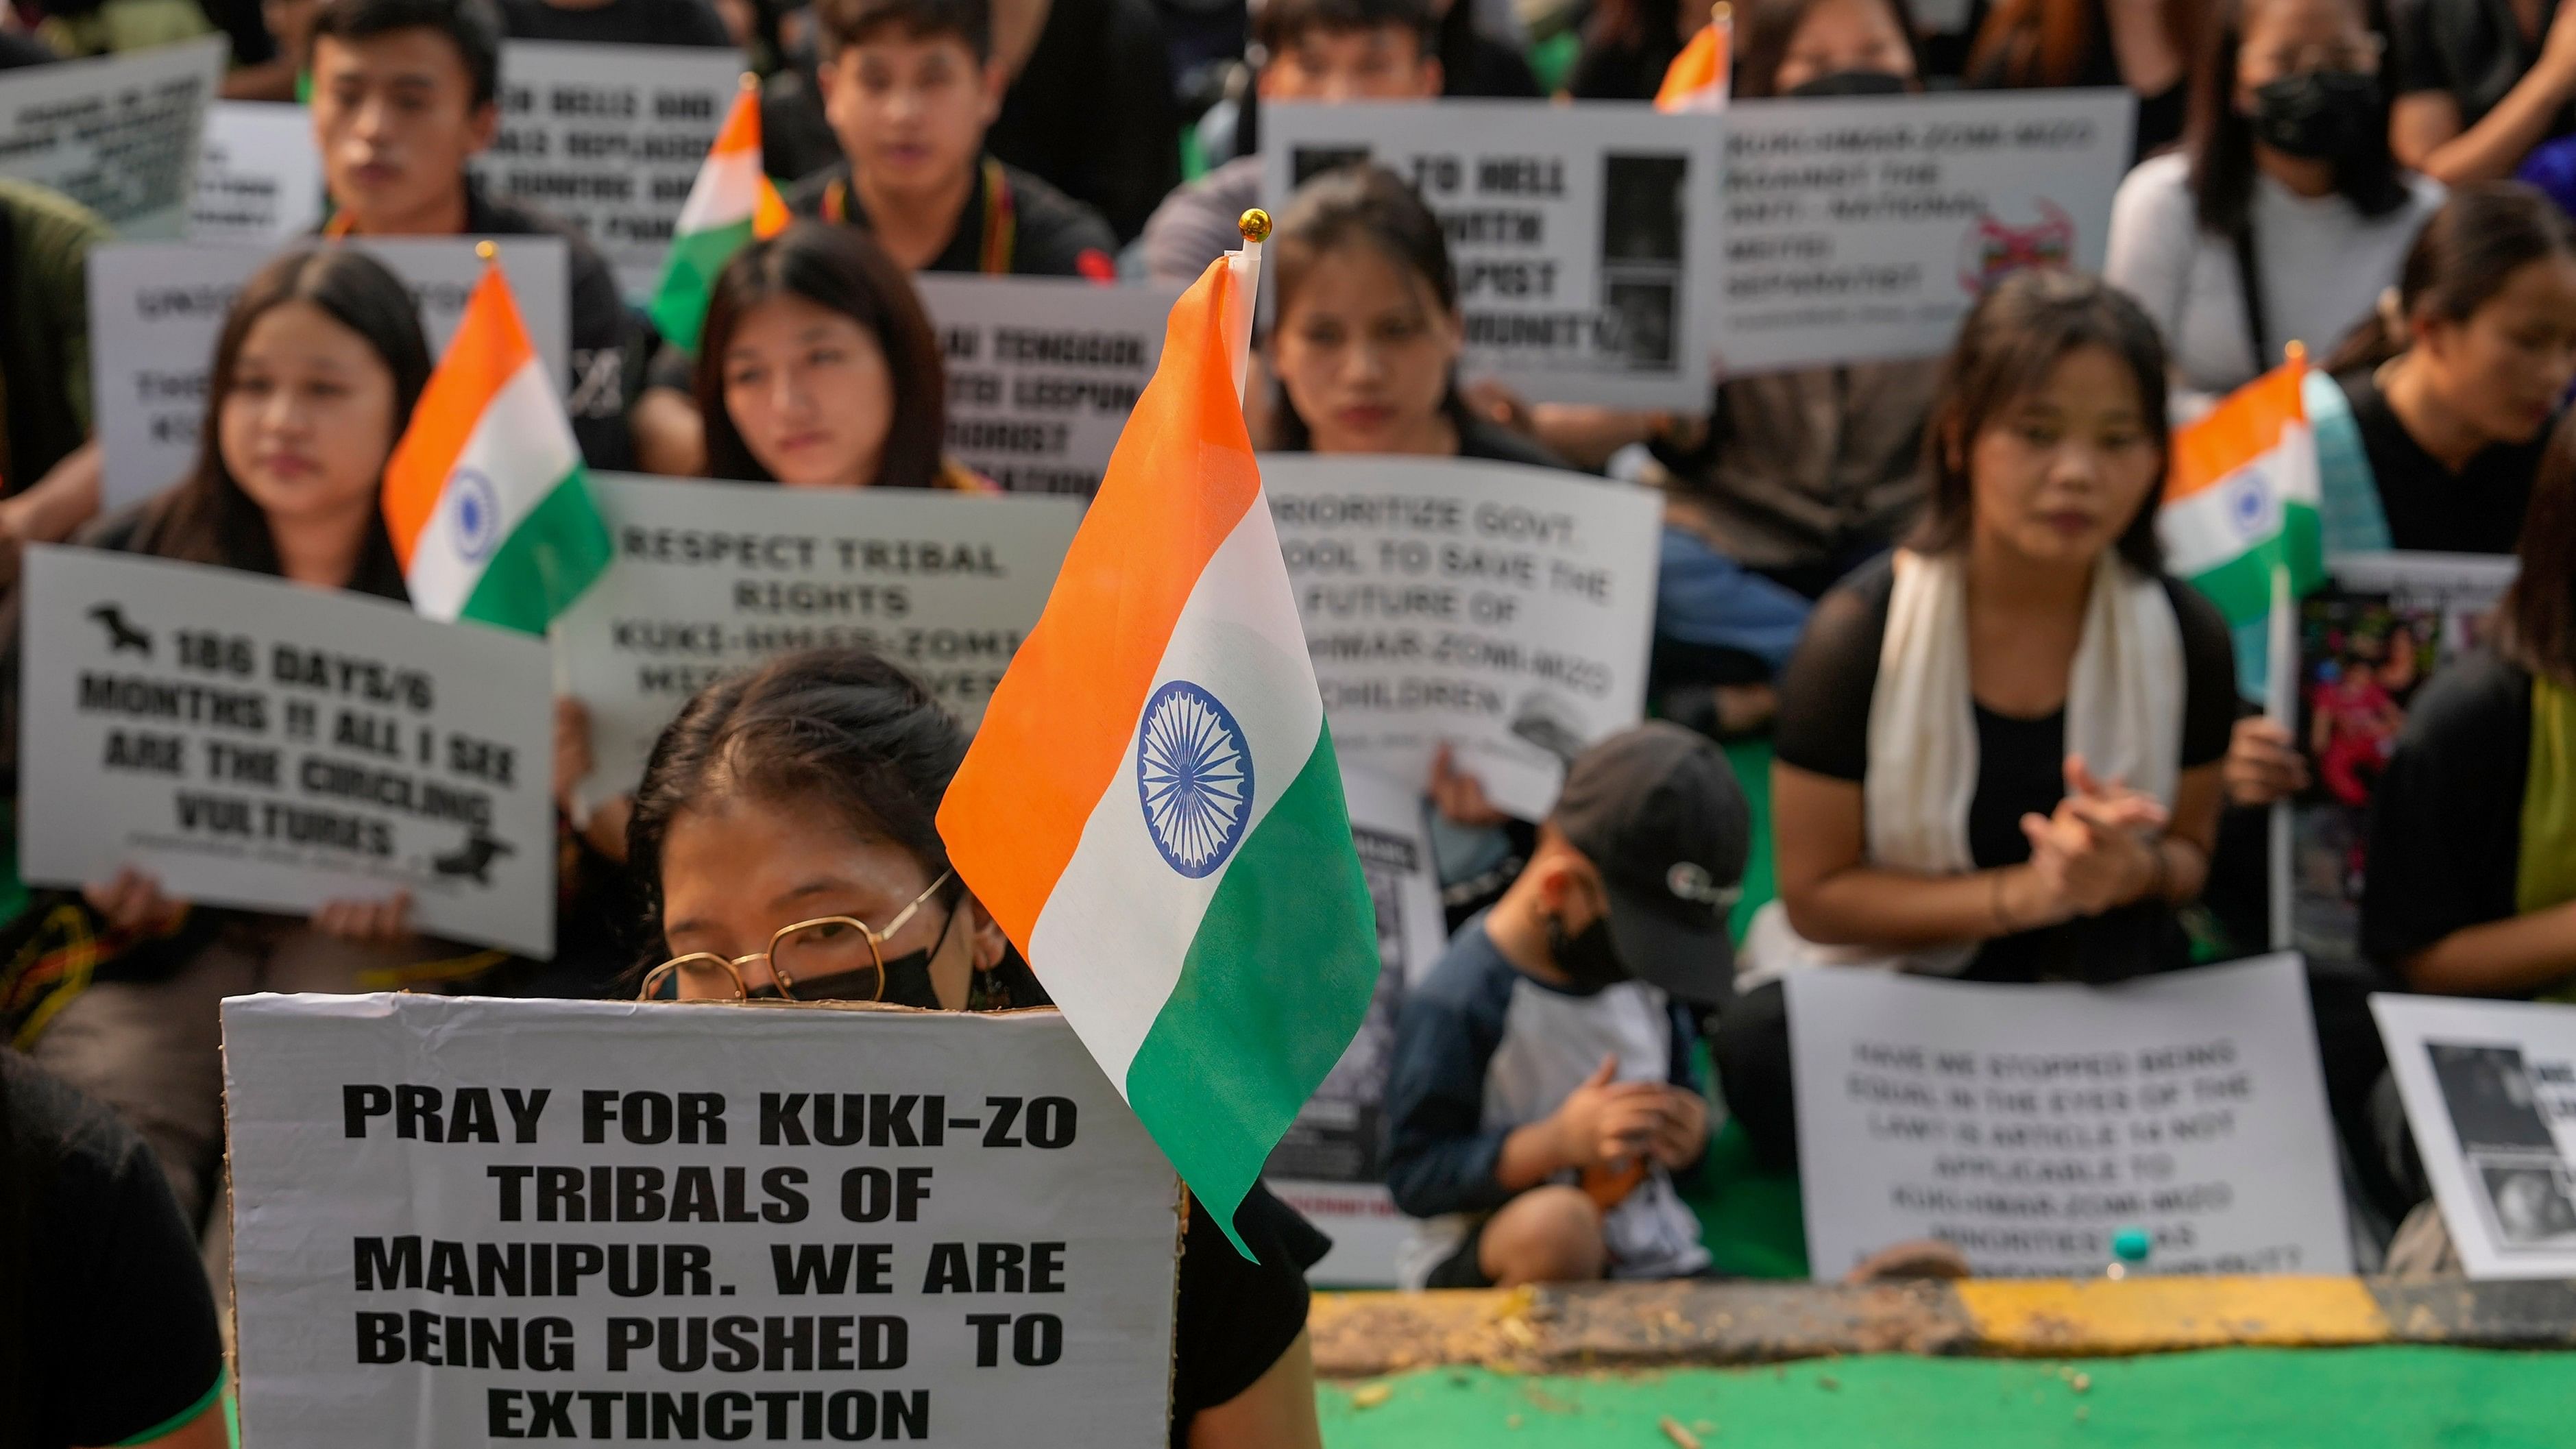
[[1255, 225], [488, 252], [750, 81], [1721, 13], [2296, 353]]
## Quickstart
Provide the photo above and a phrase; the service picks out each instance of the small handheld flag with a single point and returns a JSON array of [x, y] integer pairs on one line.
[[1701, 77], [729, 205], [1151, 808], [2241, 496], [485, 496]]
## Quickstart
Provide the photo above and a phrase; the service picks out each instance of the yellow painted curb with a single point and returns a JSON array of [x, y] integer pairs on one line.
[[2061, 1318]]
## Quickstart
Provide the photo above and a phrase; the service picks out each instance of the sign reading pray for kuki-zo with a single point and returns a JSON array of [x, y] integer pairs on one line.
[[117, 134], [609, 138], [710, 579], [250, 742], [155, 310], [461, 1222], [1582, 235]]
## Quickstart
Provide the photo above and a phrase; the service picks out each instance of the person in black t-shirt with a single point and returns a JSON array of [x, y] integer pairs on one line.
[[2479, 83], [909, 87], [1956, 806], [2472, 884], [403, 97], [616, 22], [1090, 106], [2454, 380], [107, 1328], [809, 790]]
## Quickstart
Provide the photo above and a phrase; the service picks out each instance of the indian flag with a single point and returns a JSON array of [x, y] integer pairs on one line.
[[730, 203], [1699, 77], [485, 495], [1151, 808], [2241, 498]]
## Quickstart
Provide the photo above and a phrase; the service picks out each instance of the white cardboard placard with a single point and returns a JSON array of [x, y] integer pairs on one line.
[[457, 1220], [1042, 373], [2028, 1124], [259, 178], [1504, 610], [155, 310], [1583, 235], [709, 579], [255, 743], [117, 134], [2490, 1092]]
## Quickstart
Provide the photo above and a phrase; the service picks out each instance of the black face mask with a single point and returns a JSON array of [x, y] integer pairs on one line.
[[1852, 83], [1587, 957], [2316, 115]]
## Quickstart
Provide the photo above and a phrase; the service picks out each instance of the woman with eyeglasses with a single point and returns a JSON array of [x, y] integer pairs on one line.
[[786, 835], [2284, 215]]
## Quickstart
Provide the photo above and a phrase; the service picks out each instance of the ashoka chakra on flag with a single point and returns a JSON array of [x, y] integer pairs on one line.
[[1194, 775]]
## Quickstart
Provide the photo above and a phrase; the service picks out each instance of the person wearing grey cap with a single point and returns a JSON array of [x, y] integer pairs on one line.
[[1543, 1095]]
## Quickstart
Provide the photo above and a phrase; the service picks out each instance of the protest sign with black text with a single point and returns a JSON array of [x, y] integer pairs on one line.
[[259, 176], [250, 742], [2490, 1093], [609, 138], [1582, 234], [1502, 610], [1862, 230], [462, 1221], [2025, 1125], [709, 579], [1042, 372], [117, 134], [155, 310]]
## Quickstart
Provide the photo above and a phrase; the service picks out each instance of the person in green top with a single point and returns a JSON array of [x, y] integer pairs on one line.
[[49, 464]]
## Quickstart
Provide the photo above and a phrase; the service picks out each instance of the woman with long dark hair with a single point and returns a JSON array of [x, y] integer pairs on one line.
[[2284, 215], [2454, 377], [787, 835], [1998, 751], [315, 374], [2144, 45], [2472, 886]]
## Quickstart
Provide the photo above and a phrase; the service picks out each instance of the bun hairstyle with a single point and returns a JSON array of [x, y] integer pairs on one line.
[[2465, 254], [842, 730], [2011, 339]]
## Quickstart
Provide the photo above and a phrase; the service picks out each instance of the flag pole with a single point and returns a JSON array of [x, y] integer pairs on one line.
[[1255, 226], [2281, 707], [556, 658]]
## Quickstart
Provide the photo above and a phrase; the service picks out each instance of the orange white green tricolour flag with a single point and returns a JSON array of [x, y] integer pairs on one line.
[[1699, 77], [1151, 808], [485, 496], [2242, 497], [729, 204]]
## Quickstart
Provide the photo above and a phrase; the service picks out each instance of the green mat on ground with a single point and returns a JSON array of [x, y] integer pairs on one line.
[[2228, 1399]]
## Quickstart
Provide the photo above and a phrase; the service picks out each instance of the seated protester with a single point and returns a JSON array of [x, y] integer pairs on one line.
[[616, 22], [315, 373], [1803, 475], [1475, 64], [2145, 45], [49, 465], [2285, 173], [1542, 1093], [1090, 107], [1998, 752], [909, 87], [107, 1326], [2454, 378], [2472, 885], [2479, 83], [810, 788], [1319, 51], [403, 97], [816, 368]]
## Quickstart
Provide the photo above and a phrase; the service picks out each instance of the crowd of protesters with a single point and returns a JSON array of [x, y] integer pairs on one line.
[[2048, 783]]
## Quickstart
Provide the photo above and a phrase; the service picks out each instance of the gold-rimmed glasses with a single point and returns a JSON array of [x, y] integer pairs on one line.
[[806, 955]]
